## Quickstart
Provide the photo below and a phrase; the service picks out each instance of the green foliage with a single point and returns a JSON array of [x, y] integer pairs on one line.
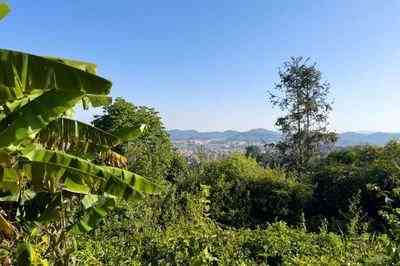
[[304, 97], [245, 194], [175, 229], [369, 172], [233, 212], [151, 153]]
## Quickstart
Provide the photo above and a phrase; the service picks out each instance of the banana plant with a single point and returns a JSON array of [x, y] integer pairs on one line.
[[36, 137], [46, 157]]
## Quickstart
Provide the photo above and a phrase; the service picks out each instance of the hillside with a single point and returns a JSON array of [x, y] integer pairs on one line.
[[267, 136]]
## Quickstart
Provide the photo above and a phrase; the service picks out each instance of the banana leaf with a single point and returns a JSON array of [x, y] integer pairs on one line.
[[4, 10], [22, 73], [114, 181], [71, 135]]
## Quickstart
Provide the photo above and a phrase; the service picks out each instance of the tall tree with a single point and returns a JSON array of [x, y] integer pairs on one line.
[[303, 96], [151, 153]]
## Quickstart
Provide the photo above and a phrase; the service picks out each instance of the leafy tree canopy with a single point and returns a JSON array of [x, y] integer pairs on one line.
[[303, 96], [151, 153]]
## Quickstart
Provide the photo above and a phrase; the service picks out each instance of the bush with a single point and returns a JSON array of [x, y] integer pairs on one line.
[[234, 212], [243, 194], [370, 171], [192, 238]]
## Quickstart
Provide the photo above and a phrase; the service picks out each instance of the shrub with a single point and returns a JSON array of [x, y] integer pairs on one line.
[[245, 194]]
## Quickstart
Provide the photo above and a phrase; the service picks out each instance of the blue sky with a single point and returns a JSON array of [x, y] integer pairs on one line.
[[207, 65]]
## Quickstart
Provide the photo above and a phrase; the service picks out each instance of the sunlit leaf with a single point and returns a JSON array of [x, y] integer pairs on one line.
[[4, 10]]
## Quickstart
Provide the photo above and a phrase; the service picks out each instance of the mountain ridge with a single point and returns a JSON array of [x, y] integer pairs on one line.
[[349, 138]]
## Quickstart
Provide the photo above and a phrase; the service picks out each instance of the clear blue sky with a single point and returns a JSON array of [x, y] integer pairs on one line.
[[207, 64]]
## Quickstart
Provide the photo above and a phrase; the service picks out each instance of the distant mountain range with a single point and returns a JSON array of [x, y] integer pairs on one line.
[[268, 136]]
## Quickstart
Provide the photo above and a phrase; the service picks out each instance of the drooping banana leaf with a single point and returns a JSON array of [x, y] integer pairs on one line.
[[95, 208], [67, 134], [114, 181], [84, 66], [91, 100], [4, 10], [24, 124]]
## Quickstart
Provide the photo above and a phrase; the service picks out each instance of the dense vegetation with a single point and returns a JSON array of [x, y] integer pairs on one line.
[[317, 208], [68, 197], [235, 212]]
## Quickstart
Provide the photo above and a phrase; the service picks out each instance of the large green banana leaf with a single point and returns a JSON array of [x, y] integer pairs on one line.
[[21, 73], [113, 181], [84, 66], [25, 124], [95, 208], [35, 91]]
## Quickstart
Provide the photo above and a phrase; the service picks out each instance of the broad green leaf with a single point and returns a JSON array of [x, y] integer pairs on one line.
[[27, 255], [25, 124], [84, 66], [129, 134], [91, 100], [116, 182], [96, 208], [21, 73], [137, 181], [89, 201], [76, 185]]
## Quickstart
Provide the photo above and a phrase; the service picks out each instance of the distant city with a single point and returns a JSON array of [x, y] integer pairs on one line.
[[191, 141]]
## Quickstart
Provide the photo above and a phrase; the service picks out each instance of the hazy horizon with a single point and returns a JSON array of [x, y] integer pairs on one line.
[[276, 130]]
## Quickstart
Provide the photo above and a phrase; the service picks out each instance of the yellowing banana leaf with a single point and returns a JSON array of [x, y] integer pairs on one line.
[[6, 227], [8, 182], [4, 10], [27, 255]]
